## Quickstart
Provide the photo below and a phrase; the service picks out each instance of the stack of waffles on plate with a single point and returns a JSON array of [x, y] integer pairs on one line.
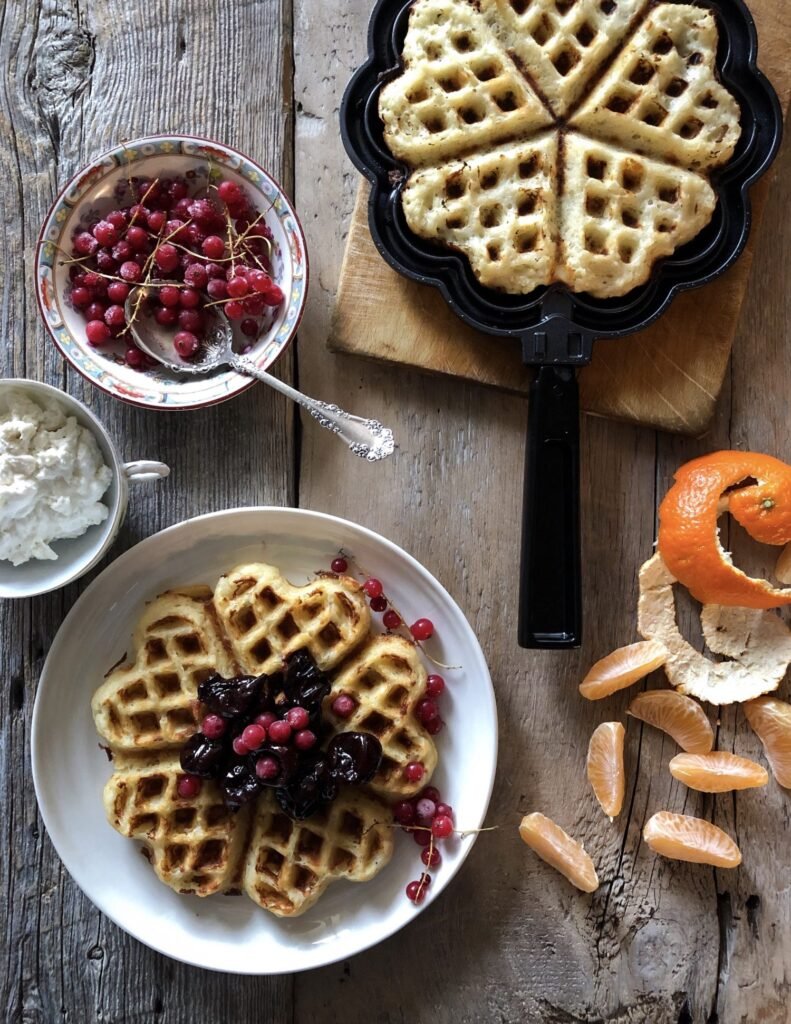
[[559, 140], [146, 710]]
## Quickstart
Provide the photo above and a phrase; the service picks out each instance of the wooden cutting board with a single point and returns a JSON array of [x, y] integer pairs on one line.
[[668, 376]]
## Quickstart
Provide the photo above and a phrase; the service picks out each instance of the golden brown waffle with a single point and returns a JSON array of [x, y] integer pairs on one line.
[[195, 845], [661, 94], [655, 107], [620, 212], [266, 618], [561, 44], [387, 680], [497, 207], [289, 863], [459, 90], [147, 705]]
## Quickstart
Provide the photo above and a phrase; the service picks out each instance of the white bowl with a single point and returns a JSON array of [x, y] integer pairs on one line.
[[91, 193], [230, 933], [79, 554]]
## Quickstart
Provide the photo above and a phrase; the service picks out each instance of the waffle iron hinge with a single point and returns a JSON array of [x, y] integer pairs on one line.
[[556, 342]]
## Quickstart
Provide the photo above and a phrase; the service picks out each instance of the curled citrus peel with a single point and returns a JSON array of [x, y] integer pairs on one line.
[[756, 643], [689, 540]]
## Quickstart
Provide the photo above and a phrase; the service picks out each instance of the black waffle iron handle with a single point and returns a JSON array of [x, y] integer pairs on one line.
[[550, 598]]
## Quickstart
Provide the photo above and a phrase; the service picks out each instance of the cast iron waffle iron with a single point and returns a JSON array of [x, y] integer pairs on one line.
[[556, 327]]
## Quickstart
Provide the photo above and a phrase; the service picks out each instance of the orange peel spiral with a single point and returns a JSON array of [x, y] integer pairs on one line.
[[689, 541]]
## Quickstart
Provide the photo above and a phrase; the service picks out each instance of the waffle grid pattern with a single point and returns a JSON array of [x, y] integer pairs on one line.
[[290, 864], [387, 680], [659, 103], [266, 618]]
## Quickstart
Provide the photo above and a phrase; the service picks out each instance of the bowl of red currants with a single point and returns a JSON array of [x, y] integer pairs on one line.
[[199, 225]]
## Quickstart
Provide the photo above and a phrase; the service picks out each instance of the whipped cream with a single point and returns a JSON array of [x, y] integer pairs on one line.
[[52, 477]]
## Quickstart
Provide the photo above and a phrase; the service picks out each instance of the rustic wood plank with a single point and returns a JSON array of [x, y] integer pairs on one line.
[[509, 941], [78, 76]]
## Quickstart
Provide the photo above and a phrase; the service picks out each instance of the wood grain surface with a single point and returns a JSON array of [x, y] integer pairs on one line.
[[509, 942], [667, 376]]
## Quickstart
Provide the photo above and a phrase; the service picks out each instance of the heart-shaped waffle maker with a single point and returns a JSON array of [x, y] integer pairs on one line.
[[562, 51]]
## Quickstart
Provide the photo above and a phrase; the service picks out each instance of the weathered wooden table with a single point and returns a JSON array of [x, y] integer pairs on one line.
[[660, 943]]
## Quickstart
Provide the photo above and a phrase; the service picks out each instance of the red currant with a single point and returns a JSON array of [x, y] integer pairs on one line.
[[105, 233], [373, 587], [442, 826], [166, 316], [414, 771], [280, 732], [137, 238], [253, 736], [430, 793], [422, 836], [213, 726], [166, 258], [445, 810], [249, 327], [267, 768], [435, 726], [134, 358], [240, 747], [169, 295], [423, 629], [298, 718], [186, 344], [188, 786], [431, 857], [189, 298], [81, 296], [404, 812], [115, 316], [434, 686], [97, 332], [391, 619], [129, 271], [344, 706], [85, 244], [339, 565], [213, 247], [305, 739], [378, 604], [234, 310], [196, 275], [427, 711], [265, 719], [416, 891], [238, 287]]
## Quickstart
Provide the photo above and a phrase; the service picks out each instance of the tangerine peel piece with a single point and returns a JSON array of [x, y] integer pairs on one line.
[[756, 642]]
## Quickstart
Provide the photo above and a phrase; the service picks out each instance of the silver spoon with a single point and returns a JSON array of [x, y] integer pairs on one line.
[[367, 438]]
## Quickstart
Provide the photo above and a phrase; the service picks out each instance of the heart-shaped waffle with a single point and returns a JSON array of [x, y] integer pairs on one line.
[[147, 705], [290, 863], [621, 212], [265, 618], [563, 43], [387, 680], [497, 207], [195, 844], [460, 89], [661, 95]]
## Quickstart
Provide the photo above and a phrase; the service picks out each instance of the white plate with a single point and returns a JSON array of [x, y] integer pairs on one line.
[[230, 933]]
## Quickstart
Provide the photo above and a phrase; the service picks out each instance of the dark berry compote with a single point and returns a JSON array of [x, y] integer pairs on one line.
[[267, 731]]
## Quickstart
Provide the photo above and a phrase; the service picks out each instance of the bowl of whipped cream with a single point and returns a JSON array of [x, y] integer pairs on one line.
[[63, 488]]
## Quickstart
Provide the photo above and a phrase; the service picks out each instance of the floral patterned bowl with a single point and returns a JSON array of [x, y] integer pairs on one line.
[[96, 190]]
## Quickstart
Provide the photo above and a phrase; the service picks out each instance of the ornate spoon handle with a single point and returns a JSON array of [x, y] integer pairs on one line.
[[367, 438]]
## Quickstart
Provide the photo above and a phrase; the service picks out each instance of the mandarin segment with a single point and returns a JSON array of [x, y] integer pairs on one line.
[[679, 716], [770, 720], [623, 668], [717, 772], [559, 850], [605, 767], [689, 540], [681, 837]]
